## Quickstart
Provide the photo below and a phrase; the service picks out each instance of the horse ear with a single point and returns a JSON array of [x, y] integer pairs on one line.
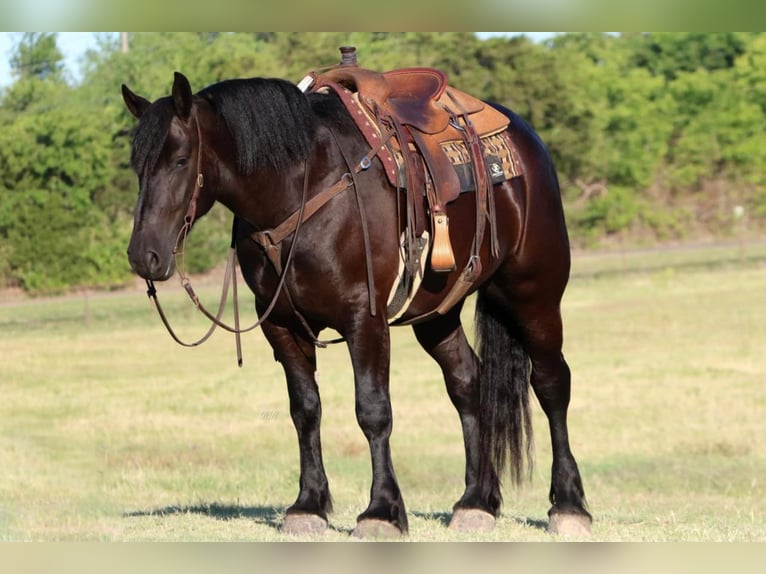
[[182, 95], [135, 103]]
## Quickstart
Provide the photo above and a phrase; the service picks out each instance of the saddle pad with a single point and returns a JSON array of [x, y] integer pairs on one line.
[[499, 157]]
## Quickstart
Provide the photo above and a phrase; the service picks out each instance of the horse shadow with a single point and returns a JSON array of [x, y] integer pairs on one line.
[[444, 518], [273, 516], [531, 522]]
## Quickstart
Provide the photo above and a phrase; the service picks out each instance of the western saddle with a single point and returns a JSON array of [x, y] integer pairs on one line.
[[413, 117]]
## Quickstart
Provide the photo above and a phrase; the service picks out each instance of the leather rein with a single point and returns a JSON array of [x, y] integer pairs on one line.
[[270, 240]]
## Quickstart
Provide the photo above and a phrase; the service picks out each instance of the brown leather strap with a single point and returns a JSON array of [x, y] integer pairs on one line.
[[152, 294], [271, 239], [484, 213], [229, 275], [485, 208], [415, 187], [365, 232], [235, 303], [443, 175], [375, 136]]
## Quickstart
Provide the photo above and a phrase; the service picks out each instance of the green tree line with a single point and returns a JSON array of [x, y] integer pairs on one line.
[[656, 136]]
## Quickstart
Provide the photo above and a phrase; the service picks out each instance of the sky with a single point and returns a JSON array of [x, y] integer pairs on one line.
[[73, 46]]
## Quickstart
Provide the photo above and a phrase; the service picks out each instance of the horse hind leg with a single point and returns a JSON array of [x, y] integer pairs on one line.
[[443, 339], [541, 333]]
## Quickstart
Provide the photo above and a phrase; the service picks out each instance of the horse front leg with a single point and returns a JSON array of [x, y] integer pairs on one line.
[[370, 348], [308, 514]]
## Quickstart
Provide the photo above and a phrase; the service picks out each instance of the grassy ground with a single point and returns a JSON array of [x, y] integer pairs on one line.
[[110, 431]]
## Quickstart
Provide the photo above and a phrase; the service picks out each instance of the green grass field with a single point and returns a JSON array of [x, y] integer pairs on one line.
[[110, 431]]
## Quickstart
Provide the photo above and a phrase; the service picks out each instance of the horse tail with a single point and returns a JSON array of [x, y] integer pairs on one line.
[[505, 424]]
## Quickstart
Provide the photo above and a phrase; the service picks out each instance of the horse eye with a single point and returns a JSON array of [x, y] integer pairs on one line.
[[182, 161]]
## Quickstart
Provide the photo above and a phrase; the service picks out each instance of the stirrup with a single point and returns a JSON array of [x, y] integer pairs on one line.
[[442, 257]]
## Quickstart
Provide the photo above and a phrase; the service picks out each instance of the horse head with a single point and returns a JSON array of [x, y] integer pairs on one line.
[[166, 156]]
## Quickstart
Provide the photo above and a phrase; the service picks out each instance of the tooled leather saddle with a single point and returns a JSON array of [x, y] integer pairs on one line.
[[440, 141]]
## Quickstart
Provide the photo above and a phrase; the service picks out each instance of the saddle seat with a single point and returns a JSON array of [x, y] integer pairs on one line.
[[425, 114], [419, 97]]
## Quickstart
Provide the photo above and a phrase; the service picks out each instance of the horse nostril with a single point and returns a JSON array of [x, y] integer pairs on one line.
[[152, 261]]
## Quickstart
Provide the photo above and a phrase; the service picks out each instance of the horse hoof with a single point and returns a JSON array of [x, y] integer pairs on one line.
[[303, 525], [570, 525], [471, 520], [372, 528]]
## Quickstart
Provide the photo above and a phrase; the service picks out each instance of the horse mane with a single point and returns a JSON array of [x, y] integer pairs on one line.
[[271, 121], [273, 124]]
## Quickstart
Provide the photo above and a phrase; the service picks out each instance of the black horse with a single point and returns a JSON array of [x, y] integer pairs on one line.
[[265, 150]]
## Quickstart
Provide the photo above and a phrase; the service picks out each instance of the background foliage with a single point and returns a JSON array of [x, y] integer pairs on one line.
[[657, 137]]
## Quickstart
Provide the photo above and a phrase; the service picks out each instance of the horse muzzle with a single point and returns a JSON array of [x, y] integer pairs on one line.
[[151, 264]]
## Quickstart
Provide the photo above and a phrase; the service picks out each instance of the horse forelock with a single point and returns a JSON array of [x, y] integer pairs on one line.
[[150, 135], [270, 120]]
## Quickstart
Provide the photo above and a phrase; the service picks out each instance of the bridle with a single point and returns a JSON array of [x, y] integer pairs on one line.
[[270, 241], [230, 275]]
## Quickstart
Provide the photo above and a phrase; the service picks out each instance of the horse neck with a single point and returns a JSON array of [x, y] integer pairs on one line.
[[265, 198], [254, 197], [268, 196]]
